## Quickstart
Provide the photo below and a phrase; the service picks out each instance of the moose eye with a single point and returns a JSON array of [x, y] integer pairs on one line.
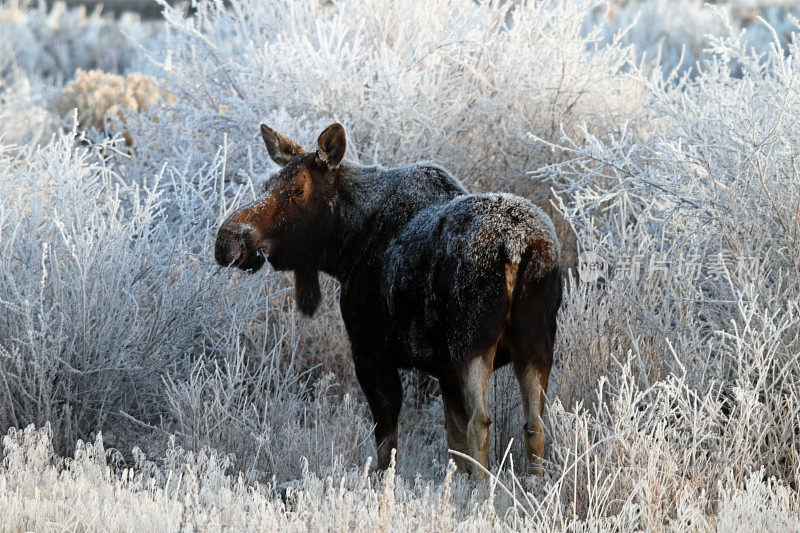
[[297, 193]]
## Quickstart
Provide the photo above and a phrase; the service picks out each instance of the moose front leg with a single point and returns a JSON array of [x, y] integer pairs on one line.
[[384, 392]]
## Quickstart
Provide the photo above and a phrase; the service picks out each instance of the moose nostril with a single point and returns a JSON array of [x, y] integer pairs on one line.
[[226, 249]]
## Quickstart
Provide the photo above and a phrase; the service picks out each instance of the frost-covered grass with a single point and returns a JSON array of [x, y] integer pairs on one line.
[[97, 491], [674, 403]]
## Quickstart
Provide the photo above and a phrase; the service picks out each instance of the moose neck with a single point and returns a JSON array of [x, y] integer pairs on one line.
[[355, 208]]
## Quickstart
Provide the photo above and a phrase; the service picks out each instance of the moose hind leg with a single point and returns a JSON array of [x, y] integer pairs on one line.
[[476, 398], [455, 422], [533, 386], [384, 392], [531, 342]]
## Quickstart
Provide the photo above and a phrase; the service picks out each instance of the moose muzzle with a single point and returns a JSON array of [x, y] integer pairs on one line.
[[235, 247]]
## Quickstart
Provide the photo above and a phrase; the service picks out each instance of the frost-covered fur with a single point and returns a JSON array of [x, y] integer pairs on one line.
[[462, 245], [433, 243], [423, 207]]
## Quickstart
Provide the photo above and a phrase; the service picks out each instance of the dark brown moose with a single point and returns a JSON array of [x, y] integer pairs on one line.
[[434, 278]]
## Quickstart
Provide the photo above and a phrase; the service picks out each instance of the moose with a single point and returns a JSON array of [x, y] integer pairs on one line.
[[432, 277]]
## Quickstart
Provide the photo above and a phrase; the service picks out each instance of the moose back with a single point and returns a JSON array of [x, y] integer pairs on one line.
[[434, 278]]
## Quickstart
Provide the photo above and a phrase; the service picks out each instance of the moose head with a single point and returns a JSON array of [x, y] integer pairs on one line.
[[290, 223]]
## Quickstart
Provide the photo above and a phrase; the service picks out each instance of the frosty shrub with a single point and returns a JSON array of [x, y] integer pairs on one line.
[[52, 43], [23, 108], [696, 220], [676, 35], [115, 318], [456, 82], [100, 299], [103, 99], [42, 47]]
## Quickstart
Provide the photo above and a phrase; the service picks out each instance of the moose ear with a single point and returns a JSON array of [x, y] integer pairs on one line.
[[332, 145], [281, 148]]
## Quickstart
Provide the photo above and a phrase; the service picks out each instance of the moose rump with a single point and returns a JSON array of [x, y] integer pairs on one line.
[[432, 277], [472, 285]]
